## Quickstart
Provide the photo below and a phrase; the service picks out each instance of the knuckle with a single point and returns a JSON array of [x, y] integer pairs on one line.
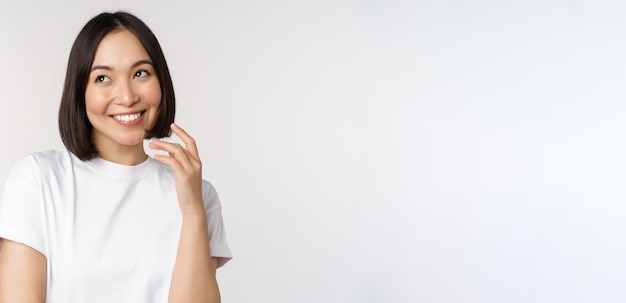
[[178, 148]]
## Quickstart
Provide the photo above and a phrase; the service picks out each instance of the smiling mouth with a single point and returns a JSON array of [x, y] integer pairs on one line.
[[129, 117]]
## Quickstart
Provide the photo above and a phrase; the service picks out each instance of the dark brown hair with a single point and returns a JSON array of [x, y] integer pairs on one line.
[[74, 125]]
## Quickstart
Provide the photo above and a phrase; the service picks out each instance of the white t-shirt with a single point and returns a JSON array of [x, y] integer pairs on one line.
[[109, 232]]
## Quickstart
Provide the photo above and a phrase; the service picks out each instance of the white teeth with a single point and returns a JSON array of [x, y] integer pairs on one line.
[[127, 118]]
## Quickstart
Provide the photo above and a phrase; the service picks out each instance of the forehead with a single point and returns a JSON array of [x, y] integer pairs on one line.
[[119, 48]]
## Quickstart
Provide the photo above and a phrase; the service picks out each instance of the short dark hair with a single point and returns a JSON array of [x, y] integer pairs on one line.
[[74, 125]]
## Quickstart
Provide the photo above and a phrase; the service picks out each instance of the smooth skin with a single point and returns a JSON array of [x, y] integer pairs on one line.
[[122, 81], [22, 273]]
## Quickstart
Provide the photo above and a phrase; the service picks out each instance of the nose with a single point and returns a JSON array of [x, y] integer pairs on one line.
[[126, 94]]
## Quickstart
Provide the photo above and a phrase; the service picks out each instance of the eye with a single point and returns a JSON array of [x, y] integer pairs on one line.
[[141, 74], [102, 78]]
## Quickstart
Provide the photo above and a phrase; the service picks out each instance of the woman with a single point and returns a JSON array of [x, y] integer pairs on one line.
[[101, 221]]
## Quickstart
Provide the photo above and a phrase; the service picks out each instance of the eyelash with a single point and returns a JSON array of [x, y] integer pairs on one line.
[[138, 74], [101, 78]]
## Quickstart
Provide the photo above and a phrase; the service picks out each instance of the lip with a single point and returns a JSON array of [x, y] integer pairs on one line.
[[129, 123]]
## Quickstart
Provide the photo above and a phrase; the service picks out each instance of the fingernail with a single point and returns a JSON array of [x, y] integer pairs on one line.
[[174, 125]]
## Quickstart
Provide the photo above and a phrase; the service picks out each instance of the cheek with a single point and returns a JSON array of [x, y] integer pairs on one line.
[[152, 93], [95, 101]]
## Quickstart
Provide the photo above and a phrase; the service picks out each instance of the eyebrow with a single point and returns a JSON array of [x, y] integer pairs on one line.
[[105, 67]]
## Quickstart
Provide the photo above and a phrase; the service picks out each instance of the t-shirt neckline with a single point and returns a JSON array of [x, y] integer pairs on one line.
[[122, 171]]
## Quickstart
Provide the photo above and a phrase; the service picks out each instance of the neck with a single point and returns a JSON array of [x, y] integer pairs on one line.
[[126, 155]]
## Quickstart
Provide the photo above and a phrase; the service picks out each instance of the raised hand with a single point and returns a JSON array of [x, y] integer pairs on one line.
[[193, 279], [187, 167]]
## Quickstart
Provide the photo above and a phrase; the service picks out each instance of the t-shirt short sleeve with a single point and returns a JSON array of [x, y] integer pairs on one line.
[[217, 234], [21, 206]]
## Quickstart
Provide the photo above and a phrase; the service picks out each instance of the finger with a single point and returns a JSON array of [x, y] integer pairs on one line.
[[189, 141], [175, 150], [169, 161]]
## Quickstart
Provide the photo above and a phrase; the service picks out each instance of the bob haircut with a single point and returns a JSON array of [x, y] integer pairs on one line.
[[74, 126]]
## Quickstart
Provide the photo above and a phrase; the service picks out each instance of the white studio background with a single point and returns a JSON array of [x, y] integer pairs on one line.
[[380, 151]]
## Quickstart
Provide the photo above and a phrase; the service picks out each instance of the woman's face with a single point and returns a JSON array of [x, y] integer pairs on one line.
[[123, 94]]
